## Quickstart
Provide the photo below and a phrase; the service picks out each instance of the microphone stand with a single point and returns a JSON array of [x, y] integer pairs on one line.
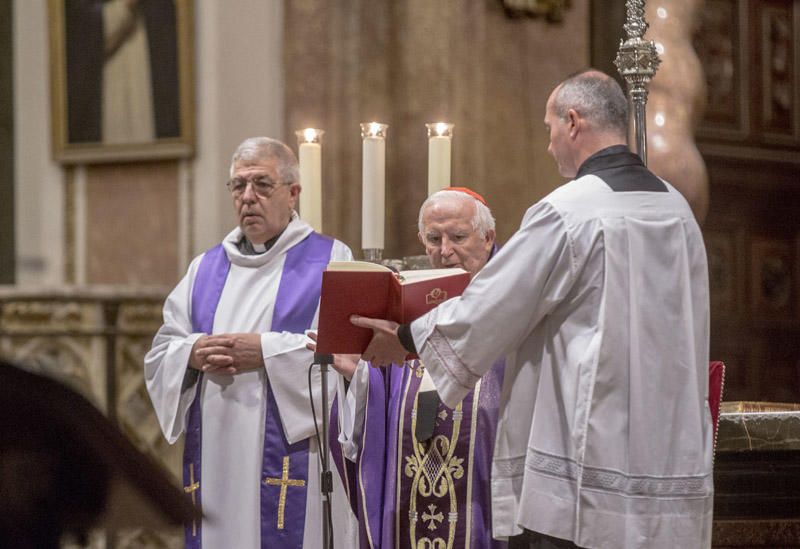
[[326, 478]]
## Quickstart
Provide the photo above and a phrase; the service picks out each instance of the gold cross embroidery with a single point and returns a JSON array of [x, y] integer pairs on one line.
[[193, 487], [284, 482], [433, 517]]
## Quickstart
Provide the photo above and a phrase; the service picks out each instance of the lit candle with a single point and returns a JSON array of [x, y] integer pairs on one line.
[[373, 198], [310, 156], [440, 135]]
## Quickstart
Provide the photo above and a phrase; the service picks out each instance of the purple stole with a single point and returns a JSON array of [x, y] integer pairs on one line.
[[295, 304]]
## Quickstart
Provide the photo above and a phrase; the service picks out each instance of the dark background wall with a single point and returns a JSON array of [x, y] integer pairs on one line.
[[749, 138], [6, 145], [605, 32]]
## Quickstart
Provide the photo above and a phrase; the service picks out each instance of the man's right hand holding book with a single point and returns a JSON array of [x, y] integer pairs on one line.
[[344, 364]]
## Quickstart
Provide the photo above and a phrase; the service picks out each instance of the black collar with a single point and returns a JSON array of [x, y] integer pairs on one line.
[[615, 156], [621, 170], [246, 247]]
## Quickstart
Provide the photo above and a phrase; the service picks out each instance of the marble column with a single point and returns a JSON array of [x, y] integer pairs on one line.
[[676, 101]]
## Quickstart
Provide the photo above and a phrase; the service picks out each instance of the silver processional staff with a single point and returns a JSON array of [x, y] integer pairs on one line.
[[637, 61]]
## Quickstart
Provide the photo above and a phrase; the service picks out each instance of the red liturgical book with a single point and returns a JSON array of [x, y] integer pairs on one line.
[[372, 290]]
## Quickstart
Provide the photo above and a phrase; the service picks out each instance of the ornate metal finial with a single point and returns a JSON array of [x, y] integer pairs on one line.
[[635, 25], [637, 61]]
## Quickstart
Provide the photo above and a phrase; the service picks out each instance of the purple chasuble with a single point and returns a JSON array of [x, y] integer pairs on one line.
[[431, 494], [295, 305]]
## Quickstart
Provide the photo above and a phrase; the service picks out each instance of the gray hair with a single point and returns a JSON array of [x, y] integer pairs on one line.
[[595, 96], [482, 221], [260, 149]]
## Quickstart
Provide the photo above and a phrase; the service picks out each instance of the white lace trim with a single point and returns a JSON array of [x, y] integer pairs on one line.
[[447, 357], [605, 480], [509, 467], [609, 480]]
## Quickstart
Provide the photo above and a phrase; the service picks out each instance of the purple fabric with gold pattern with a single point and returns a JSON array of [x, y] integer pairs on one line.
[[409, 492]]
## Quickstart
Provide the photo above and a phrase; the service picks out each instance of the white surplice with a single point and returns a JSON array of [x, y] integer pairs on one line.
[[600, 302], [234, 406]]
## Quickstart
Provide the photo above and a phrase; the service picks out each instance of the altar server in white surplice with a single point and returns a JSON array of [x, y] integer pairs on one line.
[[600, 304], [229, 368]]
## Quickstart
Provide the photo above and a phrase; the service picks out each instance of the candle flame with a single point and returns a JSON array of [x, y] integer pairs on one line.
[[373, 130], [439, 129], [310, 135]]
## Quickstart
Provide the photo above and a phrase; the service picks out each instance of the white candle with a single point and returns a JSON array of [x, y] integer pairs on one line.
[[310, 156], [439, 139], [373, 199]]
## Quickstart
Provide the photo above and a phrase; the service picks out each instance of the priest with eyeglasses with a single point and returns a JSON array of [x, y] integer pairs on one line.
[[229, 367]]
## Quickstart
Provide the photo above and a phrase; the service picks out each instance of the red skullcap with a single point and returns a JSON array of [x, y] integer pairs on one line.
[[470, 192]]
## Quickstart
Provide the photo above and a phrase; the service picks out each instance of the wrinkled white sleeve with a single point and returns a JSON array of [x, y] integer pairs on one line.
[[287, 360], [461, 339], [170, 382], [353, 410]]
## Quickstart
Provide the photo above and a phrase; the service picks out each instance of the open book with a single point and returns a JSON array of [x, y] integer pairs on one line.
[[375, 291]]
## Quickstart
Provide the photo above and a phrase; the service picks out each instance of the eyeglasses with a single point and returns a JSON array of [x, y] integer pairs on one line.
[[263, 186]]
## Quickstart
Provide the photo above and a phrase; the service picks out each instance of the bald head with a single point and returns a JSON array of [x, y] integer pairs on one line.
[[585, 114], [597, 98]]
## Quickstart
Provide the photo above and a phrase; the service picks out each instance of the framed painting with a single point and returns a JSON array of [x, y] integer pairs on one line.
[[121, 74]]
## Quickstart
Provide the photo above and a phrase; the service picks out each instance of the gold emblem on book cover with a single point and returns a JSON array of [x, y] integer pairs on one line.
[[435, 297]]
